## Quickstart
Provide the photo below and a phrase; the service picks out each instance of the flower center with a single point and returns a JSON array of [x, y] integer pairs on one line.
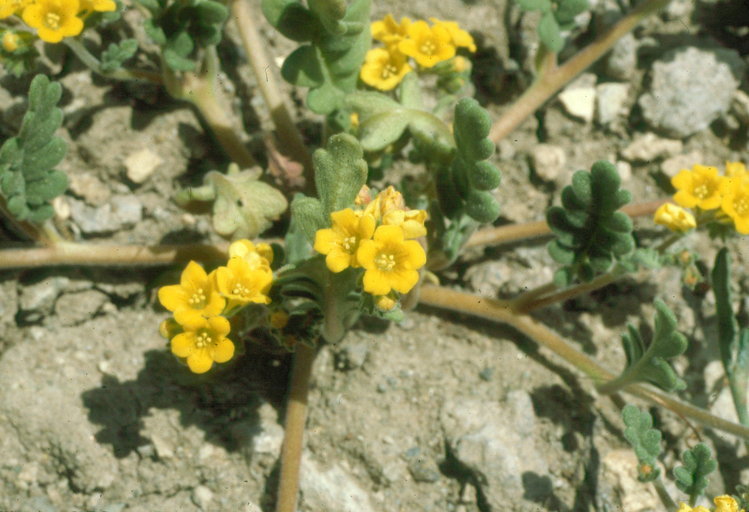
[[388, 71], [427, 47], [385, 262], [197, 299], [741, 205], [203, 338], [349, 243], [240, 289], [702, 190], [52, 20]]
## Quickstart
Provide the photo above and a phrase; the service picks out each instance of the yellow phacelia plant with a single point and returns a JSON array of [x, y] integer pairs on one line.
[[675, 218], [384, 68], [53, 20], [723, 503], [340, 243], [203, 304]]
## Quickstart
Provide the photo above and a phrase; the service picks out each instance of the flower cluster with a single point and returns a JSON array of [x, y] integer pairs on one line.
[[722, 504], [703, 189], [384, 68], [380, 239], [202, 303], [53, 19]]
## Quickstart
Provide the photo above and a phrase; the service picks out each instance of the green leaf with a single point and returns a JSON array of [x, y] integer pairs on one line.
[[292, 19], [370, 103], [116, 54], [728, 327], [155, 32], [587, 223], [568, 9], [691, 478], [381, 130], [645, 441], [534, 5], [302, 68], [550, 33], [307, 216], [340, 172], [649, 364]]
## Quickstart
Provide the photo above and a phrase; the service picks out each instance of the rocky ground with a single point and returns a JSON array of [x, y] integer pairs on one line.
[[438, 413]]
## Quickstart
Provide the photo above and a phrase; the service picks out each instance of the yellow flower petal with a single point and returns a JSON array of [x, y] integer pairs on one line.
[[183, 344], [376, 282], [338, 261], [199, 361], [402, 281], [172, 296], [223, 351]]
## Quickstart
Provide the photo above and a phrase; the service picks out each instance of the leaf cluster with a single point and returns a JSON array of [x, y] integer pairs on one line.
[[645, 441], [181, 27], [691, 478], [28, 180], [649, 363], [557, 16], [590, 232], [337, 37], [243, 206], [117, 53], [463, 186]]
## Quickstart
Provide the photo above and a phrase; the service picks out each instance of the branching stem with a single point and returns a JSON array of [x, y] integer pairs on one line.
[[552, 79], [91, 62]]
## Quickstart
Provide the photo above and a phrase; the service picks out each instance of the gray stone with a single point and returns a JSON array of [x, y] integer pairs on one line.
[[38, 504], [353, 355], [421, 466], [495, 441], [87, 186], [121, 211], [548, 161], [650, 147], [622, 60], [611, 100], [38, 299], [74, 308], [689, 89], [673, 165], [8, 304], [619, 488], [740, 106], [331, 489]]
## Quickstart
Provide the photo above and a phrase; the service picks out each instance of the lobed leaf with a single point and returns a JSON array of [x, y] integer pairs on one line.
[[116, 54], [645, 441], [691, 478], [340, 172]]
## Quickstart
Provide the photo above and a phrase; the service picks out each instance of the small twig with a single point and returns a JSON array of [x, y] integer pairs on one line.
[[293, 440], [552, 80], [522, 304], [254, 45], [514, 232], [94, 65], [663, 494], [498, 311]]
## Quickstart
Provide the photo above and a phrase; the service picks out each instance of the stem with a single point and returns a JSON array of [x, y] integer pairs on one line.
[[514, 232], [552, 80], [497, 311], [94, 65], [663, 494], [291, 138], [293, 440], [71, 254], [527, 305]]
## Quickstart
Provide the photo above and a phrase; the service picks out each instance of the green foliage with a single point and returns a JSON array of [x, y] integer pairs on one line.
[[337, 33], [645, 441], [383, 121], [340, 172], [180, 27], [556, 16], [23, 59], [465, 184], [116, 54], [27, 178], [590, 233], [691, 478], [649, 364], [732, 340], [243, 206]]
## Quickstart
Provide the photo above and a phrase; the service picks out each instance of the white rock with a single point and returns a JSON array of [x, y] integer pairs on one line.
[[141, 164], [649, 147], [620, 468], [611, 99], [740, 106], [624, 170], [548, 161], [673, 165], [202, 497], [579, 102], [331, 490], [90, 188]]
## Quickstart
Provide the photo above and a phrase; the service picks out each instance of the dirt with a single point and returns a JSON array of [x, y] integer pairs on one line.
[[439, 413]]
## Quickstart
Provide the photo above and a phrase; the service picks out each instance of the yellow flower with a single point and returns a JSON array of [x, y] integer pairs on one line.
[[10, 41], [388, 31], [383, 69], [674, 218], [340, 243], [735, 203], [412, 222], [428, 46], [386, 201], [260, 255], [391, 263], [699, 187], [10, 7], [460, 37], [241, 284], [683, 507], [98, 5], [385, 302], [461, 64], [196, 294], [726, 504], [737, 170], [364, 197], [203, 342], [54, 19]]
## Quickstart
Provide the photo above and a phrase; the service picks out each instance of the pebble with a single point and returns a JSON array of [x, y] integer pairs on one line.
[[90, 188], [673, 165], [75, 308], [38, 299], [621, 62], [689, 89], [140, 165], [331, 489], [649, 147], [422, 468], [121, 211], [624, 170], [202, 497], [579, 98], [611, 100], [740, 106], [619, 468], [353, 355], [548, 161]]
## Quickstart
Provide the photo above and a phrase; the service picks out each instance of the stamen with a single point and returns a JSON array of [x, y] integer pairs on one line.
[[52, 20], [385, 262]]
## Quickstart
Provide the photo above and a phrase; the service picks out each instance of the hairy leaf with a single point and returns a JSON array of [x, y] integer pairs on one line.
[[340, 172], [691, 478], [116, 54], [645, 441]]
